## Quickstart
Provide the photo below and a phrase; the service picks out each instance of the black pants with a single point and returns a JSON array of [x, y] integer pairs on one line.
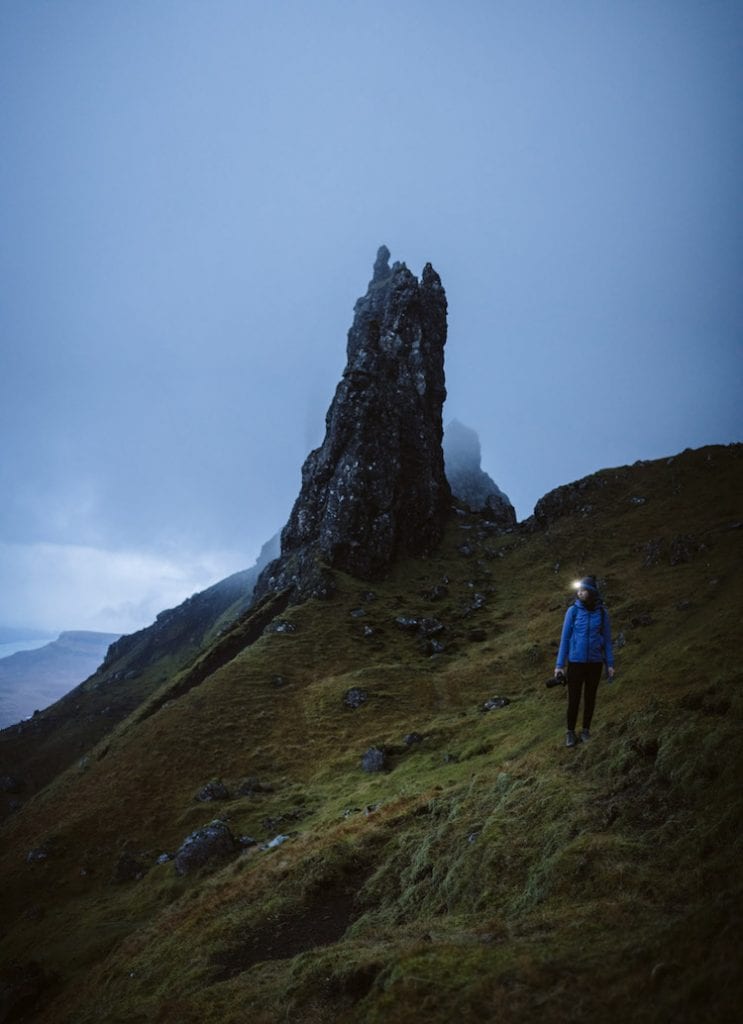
[[582, 674]]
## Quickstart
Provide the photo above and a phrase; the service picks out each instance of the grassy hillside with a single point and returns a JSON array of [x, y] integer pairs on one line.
[[488, 873]]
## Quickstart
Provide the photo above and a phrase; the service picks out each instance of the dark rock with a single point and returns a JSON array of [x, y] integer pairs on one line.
[[280, 626], [412, 738], [205, 844], [37, 856], [495, 702], [374, 760], [466, 550], [368, 596], [355, 697], [358, 613], [246, 842], [214, 790], [128, 869], [430, 627], [376, 488], [369, 631], [407, 624], [469, 483], [619, 640], [431, 647], [437, 593], [278, 681]]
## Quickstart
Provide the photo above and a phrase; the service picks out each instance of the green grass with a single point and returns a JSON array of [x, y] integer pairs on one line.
[[490, 874]]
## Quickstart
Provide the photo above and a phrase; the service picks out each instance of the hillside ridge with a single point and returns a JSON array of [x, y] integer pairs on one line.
[[483, 865]]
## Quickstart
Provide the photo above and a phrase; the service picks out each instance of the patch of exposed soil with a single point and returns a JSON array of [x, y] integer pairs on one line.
[[322, 923]]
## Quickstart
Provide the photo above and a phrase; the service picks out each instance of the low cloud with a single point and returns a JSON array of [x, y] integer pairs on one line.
[[67, 586]]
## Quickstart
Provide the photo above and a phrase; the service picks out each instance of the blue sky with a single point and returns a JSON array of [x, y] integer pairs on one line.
[[191, 199]]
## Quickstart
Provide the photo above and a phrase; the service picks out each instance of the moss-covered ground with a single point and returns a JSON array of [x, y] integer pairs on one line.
[[489, 873]]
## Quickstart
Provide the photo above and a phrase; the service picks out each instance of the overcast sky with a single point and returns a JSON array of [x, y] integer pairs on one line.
[[191, 199]]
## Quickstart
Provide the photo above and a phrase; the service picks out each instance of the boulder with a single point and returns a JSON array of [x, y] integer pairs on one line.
[[213, 841], [374, 760]]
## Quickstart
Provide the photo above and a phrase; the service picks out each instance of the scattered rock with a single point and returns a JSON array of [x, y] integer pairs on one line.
[[430, 627], [493, 703], [466, 550], [652, 553], [358, 613], [638, 500], [369, 631], [436, 593], [432, 647], [246, 842], [164, 858], [368, 596], [355, 697], [205, 844], [411, 738], [620, 640], [215, 790], [280, 626], [374, 760], [407, 624], [37, 856], [278, 681], [276, 841]]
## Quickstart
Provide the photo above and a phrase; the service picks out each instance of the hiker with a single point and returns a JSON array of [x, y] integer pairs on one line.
[[586, 647]]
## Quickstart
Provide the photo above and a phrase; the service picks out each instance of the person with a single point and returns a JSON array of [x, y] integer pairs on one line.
[[585, 646]]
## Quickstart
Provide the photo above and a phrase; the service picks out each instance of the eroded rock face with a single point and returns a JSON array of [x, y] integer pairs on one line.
[[469, 482], [376, 487]]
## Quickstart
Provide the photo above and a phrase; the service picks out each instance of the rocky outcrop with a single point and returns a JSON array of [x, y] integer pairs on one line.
[[469, 483], [376, 487]]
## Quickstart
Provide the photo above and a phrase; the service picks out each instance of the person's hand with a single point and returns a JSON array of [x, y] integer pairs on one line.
[[559, 671], [610, 673]]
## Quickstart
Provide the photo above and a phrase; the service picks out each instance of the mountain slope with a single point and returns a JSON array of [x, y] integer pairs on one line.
[[488, 873], [135, 666]]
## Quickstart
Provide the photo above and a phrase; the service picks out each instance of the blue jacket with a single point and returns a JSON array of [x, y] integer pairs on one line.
[[586, 635]]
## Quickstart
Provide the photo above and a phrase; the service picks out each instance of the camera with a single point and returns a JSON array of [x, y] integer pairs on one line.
[[557, 680]]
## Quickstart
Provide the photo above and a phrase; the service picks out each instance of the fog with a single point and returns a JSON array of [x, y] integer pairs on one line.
[[192, 197]]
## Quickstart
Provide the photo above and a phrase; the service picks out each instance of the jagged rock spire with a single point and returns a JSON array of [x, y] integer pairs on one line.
[[376, 487]]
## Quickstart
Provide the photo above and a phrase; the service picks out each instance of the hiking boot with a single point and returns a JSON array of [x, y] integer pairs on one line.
[[570, 738], [585, 736]]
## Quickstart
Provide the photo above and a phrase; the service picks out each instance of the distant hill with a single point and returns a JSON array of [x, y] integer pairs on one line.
[[31, 680]]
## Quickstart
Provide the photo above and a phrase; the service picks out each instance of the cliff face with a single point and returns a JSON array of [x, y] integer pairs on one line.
[[469, 482], [376, 487]]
